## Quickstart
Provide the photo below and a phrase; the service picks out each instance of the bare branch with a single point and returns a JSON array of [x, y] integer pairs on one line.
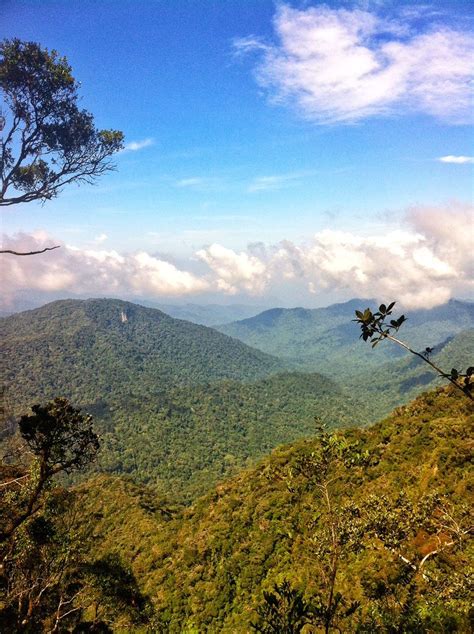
[[30, 252]]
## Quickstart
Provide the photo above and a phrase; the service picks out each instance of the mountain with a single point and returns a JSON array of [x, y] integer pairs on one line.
[[327, 340], [187, 439], [180, 406], [209, 314], [204, 314], [177, 405], [86, 349], [397, 492]]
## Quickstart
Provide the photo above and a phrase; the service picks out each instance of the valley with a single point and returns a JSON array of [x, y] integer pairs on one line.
[[180, 406]]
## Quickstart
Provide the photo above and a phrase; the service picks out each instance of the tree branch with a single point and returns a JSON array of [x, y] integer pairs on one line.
[[423, 358], [30, 252]]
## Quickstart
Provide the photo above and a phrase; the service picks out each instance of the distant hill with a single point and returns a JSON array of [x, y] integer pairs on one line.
[[204, 314], [400, 380], [181, 406], [327, 340], [209, 314], [206, 568], [86, 349]]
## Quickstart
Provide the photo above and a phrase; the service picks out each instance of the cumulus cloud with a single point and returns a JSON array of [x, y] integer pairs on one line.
[[424, 262], [235, 272], [340, 65], [458, 160], [91, 271], [135, 146]]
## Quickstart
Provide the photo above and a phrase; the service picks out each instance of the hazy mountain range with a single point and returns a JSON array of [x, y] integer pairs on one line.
[[182, 405], [328, 340]]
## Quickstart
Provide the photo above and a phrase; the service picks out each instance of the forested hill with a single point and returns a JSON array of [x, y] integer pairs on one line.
[[327, 340], [177, 405], [85, 349], [397, 492], [400, 380], [186, 440]]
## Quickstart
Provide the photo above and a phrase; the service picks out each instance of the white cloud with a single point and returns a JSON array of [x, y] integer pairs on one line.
[[458, 160], [340, 65], [101, 238], [425, 261], [91, 271], [134, 146], [235, 271], [423, 264], [190, 182], [278, 181]]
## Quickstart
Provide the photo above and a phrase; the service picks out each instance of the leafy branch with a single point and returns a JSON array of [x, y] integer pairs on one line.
[[375, 327]]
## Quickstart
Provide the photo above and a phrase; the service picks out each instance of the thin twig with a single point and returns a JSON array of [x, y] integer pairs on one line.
[[30, 252]]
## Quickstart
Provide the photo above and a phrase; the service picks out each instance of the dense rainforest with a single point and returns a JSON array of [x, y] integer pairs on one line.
[[180, 406], [180, 522], [327, 339], [362, 530]]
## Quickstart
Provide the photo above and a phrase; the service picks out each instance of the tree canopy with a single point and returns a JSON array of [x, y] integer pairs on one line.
[[48, 141]]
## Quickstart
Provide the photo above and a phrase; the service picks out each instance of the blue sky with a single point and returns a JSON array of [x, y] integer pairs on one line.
[[235, 138]]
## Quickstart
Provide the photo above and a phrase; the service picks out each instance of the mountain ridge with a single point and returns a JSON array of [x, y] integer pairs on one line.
[[75, 345], [328, 340]]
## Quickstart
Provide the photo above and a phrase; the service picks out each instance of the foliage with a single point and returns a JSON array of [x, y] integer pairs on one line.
[[185, 440], [48, 140], [51, 583], [375, 329], [402, 380], [59, 436], [283, 611], [61, 439], [48, 581], [392, 487]]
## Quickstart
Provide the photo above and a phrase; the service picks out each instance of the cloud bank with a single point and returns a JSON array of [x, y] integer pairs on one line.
[[424, 262], [341, 66], [91, 271]]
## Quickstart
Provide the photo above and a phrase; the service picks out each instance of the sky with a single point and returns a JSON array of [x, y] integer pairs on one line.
[[293, 153]]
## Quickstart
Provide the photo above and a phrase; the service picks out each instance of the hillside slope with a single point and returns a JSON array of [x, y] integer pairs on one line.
[[400, 380], [185, 440], [206, 568], [327, 340], [86, 349]]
